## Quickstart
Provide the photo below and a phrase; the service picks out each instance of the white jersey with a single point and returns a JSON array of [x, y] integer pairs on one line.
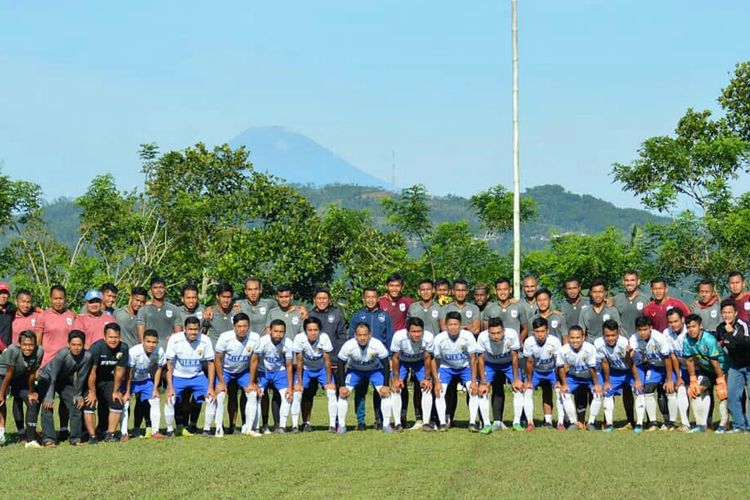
[[188, 357], [675, 343], [274, 356], [143, 363], [545, 355], [236, 352], [455, 353], [615, 356], [579, 362], [412, 352], [366, 359], [312, 353], [652, 352], [498, 353]]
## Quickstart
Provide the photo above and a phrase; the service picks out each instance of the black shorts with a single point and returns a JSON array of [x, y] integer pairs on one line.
[[705, 379], [104, 396]]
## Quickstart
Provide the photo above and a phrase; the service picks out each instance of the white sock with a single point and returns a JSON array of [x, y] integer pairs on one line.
[[440, 405], [208, 418], [343, 408], [672, 407], [517, 407], [547, 418], [286, 407], [640, 408], [385, 410], [296, 403], [395, 398], [569, 406], [155, 413], [2, 431], [700, 416], [706, 406], [333, 405], [219, 416], [484, 409], [723, 414], [251, 409], [560, 407], [473, 407], [651, 407], [609, 409], [683, 404], [596, 405], [426, 405], [169, 414], [528, 405], [124, 418]]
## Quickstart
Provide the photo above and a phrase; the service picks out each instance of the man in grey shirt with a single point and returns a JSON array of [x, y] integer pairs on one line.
[[470, 316], [218, 319], [528, 303], [512, 313], [286, 312], [255, 306], [708, 306], [593, 317], [426, 308], [190, 306], [631, 302], [18, 366], [159, 315], [126, 316], [556, 323], [573, 302]]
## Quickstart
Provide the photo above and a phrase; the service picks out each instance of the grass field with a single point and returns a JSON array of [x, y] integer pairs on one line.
[[370, 464]]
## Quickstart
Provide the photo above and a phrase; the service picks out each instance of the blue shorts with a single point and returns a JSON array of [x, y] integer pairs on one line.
[[575, 382], [319, 375], [446, 374], [278, 379], [197, 384], [539, 377], [492, 371], [356, 377], [241, 379], [144, 389], [653, 375], [417, 368], [617, 380]]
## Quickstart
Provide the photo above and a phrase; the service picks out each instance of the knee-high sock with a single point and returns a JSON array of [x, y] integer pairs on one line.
[[385, 411], [517, 407], [395, 398], [169, 414], [440, 404], [251, 410], [651, 407], [640, 408], [124, 416], [569, 406], [700, 415], [706, 406], [683, 405], [286, 407], [208, 418], [609, 409], [343, 408], [296, 401], [333, 407], [672, 406], [596, 405], [473, 407], [484, 408], [219, 416], [723, 414], [155, 414], [426, 405], [560, 407], [528, 405]]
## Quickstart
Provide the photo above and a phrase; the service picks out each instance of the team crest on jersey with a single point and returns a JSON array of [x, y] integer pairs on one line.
[[169, 313], [319, 349], [747, 306], [548, 351], [69, 321], [331, 318], [605, 317], [262, 310], [33, 322], [639, 306], [435, 314], [469, 314], [402, 307], [199, 314], [249, 348], [295, 320], [464, 347], [381, 317], [670, 307], [554, 323], [199, 351], [514, 314]]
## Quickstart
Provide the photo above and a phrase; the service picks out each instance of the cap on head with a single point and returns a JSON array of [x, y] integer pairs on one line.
[[92, 295], [4, 287]]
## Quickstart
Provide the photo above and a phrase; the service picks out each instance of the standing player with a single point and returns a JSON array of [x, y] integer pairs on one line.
[[286, 312], [18, 368], [366, 361], [708, 306], [186, 354], [512, 314], [127, 316], [411, 353], [676, 332], [394, 303], [612, 355], [528, 303], [656, 310], [443, 292], [456, 348], [556, 322], [481, 296], [631, 302], [190, 305], [7, 313], [470, 316], [93, 320], [576, 369], [540, 351], [26, 315], [312, 350], [497, 363], [426, 308], [220, 318], [146, 362], [574, 302], [741, 297], [593, 317], [159, 315], [651, 353], [734, 337]]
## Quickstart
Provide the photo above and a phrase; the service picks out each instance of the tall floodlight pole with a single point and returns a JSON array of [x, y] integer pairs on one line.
[[516, 164]]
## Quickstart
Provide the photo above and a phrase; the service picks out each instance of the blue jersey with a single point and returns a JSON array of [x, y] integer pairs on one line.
[[379, 322], [703, 350]]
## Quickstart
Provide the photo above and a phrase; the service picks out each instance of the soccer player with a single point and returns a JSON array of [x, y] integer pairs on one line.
[[651, 353], [497, 364], [186, 354], [574, 302], [443, 291], [394, 303], [18, 368], [456, 348], [159, 315], [333, 323], [656, 310], [127, 316], [576, 370], [481, 296], [312, 350], [363, 360], [630, 302], [556, 322], [528, 303], [512, 314], [26, 315], [706, 365], [411, 353], [109, 297], [426, 308], [540, 351], [275, 351], [146, 362], [470, 316], [612, 355], [94, 319], [7, 313], [734, 336], [109, 362], [741, 297], [676, 333], [593, 317], [190, 305], [708, 306], [220, 318], [66, 375], [286, 312], [233, 351]]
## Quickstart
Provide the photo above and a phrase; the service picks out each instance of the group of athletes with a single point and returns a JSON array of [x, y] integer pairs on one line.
[[262, 357]]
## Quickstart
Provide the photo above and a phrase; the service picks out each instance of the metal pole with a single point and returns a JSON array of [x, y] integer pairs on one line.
[[516, 165]]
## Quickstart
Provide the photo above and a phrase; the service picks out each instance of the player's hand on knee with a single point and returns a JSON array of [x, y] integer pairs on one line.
[[598, 390], [330, 386], [384, 392], [517, 385], [220, 388], [344, 392], [484, 389], [669, 387], [527, 385], [426, 385], [48, 405], [298, 387], [395, 385]]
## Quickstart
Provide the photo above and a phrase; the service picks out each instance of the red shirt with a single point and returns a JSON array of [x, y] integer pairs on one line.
[[92, 326], [22, 323], [657, 313], [53, 328], [396, 310], [743, 306]]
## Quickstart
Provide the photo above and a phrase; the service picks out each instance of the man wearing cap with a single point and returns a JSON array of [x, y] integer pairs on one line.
[[7, 312], [92, 321]]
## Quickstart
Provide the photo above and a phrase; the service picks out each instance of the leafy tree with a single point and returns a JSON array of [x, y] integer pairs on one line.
[[494, 208]]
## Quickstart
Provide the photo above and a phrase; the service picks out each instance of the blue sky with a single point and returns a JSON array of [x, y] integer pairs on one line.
[[82, 84]]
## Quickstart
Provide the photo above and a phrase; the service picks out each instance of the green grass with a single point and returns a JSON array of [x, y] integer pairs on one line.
[[371, 464]]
